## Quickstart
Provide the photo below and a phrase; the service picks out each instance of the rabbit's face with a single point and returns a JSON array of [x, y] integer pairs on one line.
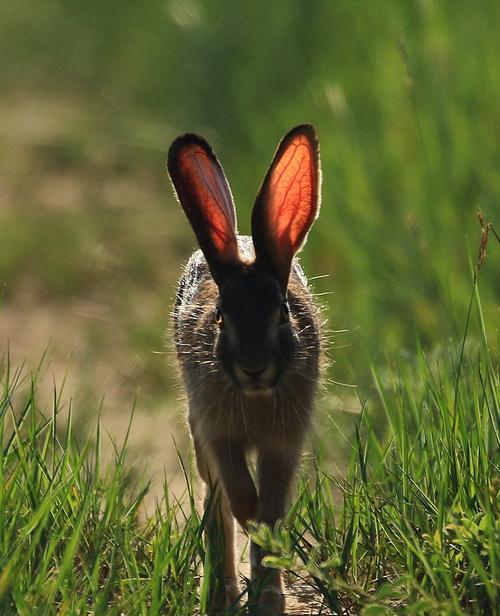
[[255, 341]]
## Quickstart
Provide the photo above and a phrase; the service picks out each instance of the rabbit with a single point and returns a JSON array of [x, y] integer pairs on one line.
[[248, 338]]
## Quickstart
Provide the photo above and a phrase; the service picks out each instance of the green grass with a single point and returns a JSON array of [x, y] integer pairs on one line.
[[412, 528], [69, 530]]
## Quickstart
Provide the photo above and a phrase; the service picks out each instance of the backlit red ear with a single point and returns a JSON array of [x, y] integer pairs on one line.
[[288, 200], [206, 199]]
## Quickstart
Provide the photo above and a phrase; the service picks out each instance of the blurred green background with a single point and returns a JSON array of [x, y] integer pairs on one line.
[[405, 97]]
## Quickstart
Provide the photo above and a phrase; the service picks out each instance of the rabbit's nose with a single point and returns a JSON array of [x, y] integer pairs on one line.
[[253, 372]]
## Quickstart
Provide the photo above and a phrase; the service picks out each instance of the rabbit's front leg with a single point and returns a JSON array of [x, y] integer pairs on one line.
[[219, 524], [275, 470], [236, 479]]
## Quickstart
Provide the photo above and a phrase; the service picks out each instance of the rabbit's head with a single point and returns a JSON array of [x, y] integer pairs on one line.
[[256, 336]]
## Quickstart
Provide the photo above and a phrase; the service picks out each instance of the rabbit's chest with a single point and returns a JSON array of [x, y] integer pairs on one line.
[[253, 420]]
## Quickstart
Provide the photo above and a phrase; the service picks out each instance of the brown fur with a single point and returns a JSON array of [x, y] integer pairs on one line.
[[227, 425]]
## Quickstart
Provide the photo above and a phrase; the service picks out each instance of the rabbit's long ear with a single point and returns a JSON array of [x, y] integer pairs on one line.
[[288, 201], [206, 199]]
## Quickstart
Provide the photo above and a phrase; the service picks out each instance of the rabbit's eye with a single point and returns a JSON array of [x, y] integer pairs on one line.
[[285, 312], [219, 319]]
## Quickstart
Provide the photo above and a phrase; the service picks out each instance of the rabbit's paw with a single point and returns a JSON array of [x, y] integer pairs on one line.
[[271, 602], [233, 594]]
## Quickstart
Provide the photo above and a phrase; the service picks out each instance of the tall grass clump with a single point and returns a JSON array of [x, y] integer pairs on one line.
[[419, 529], [70, 537]]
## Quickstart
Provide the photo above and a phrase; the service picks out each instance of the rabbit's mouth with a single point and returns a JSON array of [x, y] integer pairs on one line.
[[257, 390], [255, 380]]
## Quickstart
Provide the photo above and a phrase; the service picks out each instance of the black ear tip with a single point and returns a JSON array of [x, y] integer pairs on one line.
[[306, 130], [183, 141]]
